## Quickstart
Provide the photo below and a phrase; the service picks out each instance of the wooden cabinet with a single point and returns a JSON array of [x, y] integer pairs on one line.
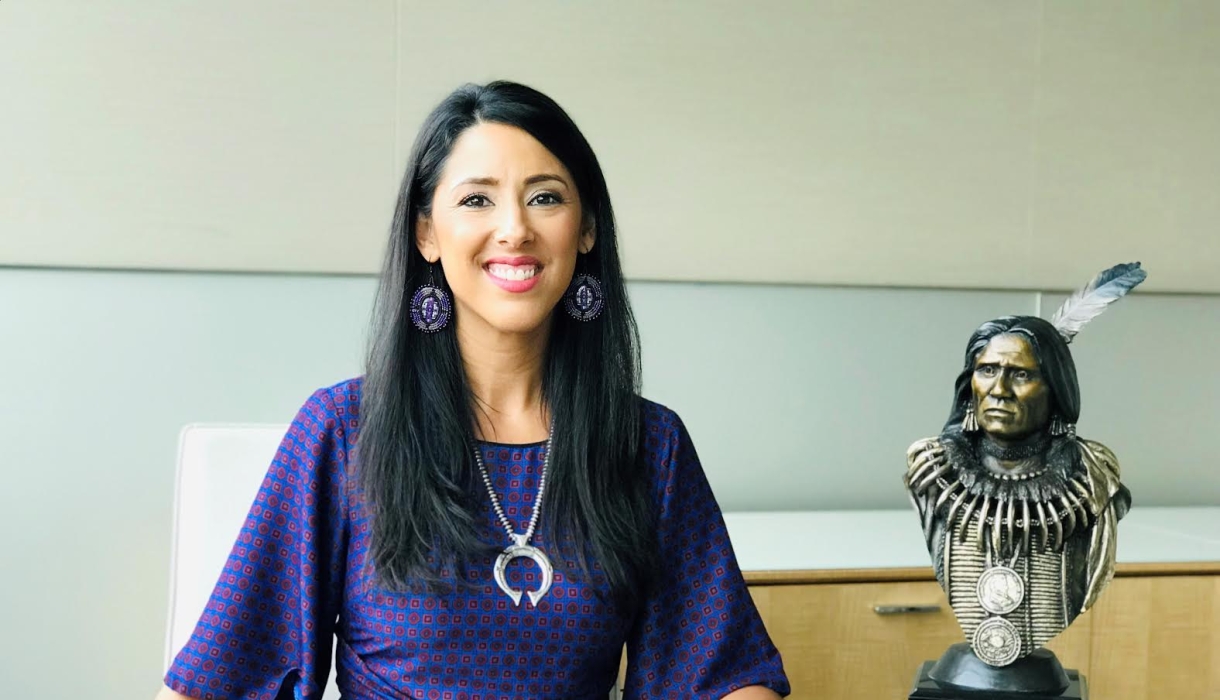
[[1154, 634], [1157, 637]]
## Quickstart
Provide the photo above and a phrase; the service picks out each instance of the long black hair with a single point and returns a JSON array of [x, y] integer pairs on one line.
[[414, 450], [1054, 362]]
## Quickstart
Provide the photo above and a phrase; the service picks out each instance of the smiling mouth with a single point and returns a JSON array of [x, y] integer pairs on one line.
[[513, 273]]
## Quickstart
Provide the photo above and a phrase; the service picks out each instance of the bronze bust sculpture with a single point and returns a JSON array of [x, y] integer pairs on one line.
[[1019, 513]]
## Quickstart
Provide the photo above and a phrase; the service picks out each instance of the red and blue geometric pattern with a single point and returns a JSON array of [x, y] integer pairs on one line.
[[296, 582]]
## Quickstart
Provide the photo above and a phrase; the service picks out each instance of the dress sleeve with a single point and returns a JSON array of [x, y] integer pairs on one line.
[[270, 620], [698, 633]]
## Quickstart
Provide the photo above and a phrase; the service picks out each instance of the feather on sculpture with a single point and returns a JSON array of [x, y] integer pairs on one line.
[[1087, 303]]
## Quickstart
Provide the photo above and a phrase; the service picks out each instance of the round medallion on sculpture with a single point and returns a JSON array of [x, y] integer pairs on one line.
[[1000, 590], [996, 642]]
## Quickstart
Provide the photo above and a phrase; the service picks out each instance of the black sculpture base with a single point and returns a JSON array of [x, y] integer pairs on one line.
[[960, 675]]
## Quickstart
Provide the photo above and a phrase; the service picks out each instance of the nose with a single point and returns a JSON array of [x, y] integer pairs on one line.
[[514, 229], [1001, 387]]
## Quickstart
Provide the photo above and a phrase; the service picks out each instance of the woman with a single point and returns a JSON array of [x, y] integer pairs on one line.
[[492, 511]]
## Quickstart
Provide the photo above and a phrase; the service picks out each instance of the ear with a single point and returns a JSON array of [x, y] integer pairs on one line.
[[588, 236], [425, 239]]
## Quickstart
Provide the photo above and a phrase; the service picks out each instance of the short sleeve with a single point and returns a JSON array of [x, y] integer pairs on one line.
[[698, 634], [270, 619]]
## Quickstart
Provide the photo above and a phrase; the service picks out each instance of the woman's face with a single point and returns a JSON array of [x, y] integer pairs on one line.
[[506, 225]]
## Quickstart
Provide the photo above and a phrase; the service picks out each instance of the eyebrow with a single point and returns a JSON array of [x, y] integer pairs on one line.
[[531, 180], [1011, 365], [544, 177]]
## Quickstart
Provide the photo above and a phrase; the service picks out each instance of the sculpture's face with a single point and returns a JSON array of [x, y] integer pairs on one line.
[[1011, 399]]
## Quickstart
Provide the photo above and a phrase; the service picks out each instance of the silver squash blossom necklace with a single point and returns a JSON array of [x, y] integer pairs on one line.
[[520, 547]]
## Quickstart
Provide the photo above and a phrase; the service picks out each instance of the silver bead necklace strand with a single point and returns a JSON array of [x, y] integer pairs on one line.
[[520, 547]]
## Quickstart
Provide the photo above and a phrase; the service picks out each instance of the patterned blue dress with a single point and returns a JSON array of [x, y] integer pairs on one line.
[[296, 582]]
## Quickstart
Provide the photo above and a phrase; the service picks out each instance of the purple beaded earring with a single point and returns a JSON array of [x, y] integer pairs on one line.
[[430, 306], [584, 300]]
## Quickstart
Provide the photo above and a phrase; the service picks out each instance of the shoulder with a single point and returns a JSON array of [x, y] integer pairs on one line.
[[1101, 465], [342, 398], [665, 435], [660, 419], [922, 449], [923, 458], [325, 425], [312, 460], [673, 470], [1097, 452], [667, 444], [333, 409]]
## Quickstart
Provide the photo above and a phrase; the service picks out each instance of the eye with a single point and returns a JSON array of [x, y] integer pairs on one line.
[[986, 371], [1022, 375], [546, 199], [475, 201]]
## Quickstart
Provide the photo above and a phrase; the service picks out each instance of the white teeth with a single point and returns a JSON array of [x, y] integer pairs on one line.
[[512, 273]]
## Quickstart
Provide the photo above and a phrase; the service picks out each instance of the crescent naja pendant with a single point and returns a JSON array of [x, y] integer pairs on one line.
[[521, 550]]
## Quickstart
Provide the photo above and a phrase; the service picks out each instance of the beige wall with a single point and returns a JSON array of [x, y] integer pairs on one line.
[[948, 144]]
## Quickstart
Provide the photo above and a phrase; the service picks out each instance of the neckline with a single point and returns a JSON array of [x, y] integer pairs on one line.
[[511, 445], [1053, 480], [1033, 446]]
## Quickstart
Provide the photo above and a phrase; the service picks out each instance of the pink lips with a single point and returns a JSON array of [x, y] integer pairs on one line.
[[515, 265]]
